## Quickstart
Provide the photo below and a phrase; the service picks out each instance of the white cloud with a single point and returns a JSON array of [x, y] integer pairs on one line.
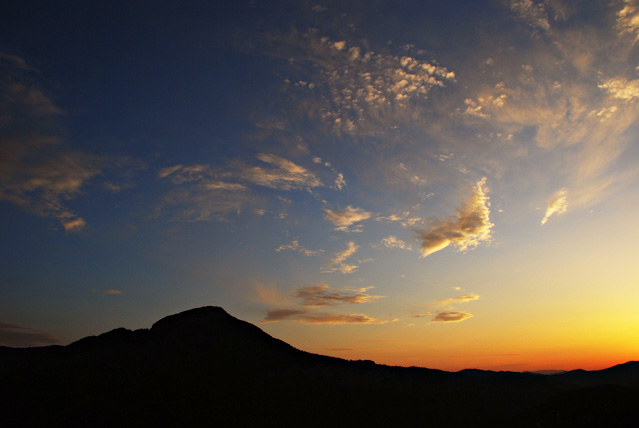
[[558, 204]]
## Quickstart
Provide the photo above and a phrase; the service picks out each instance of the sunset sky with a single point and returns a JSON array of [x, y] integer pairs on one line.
[[445, 184]]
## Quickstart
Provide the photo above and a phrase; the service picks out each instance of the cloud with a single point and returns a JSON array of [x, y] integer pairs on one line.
[[622, 88], [303, 316], [451, 316], [204, 192], [337, 262], [341, 256], [338, 319], [274, 315], [558, 204], [280, 174], [197, 202], [295, 246], [36, 172], [314, 297], [422, 315], [346, 218], [108, 291], [454, 300], [467, 229], [355, 90], [283, 174], [532, 13], [23, 337], [628, 19], [395, 243], [324, 295], [165, 172]]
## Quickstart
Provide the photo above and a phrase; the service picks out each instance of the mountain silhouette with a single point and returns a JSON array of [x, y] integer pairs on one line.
[[204, 367]]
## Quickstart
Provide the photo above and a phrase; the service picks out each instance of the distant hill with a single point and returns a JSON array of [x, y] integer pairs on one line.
[[204, 367]]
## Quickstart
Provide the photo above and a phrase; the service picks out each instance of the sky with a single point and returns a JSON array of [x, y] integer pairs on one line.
[[419, 183]]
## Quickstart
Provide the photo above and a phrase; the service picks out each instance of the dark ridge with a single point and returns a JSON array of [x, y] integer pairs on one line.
[[204, 367]]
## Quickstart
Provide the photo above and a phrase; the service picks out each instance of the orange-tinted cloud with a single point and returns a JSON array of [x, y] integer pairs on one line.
[[308, 317], [347, 218], [467, 229], [324, 295], [451, 316]]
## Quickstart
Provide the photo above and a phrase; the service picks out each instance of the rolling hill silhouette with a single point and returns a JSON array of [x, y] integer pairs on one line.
[[205, 367]]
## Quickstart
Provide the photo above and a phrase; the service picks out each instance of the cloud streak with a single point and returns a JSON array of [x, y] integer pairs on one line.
[[324, 295], [454, 300], [315, 297], [18, 336], [302, 316], [470, 227], [204, 192], [107, 291]]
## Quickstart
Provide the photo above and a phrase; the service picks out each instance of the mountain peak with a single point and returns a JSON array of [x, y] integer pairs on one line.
[[195, 316]]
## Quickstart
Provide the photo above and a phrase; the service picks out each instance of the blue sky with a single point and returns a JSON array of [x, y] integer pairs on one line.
[[408, 182]]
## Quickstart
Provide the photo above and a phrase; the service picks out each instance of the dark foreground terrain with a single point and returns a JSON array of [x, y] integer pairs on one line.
[[205, 367]]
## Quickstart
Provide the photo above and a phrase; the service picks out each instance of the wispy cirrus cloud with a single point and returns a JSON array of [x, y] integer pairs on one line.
[[204, 192], [18, 336], [324, 295], [558, 204], [274, 315], [347, 220], [470, 227], [275, 173], [315, 297]]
